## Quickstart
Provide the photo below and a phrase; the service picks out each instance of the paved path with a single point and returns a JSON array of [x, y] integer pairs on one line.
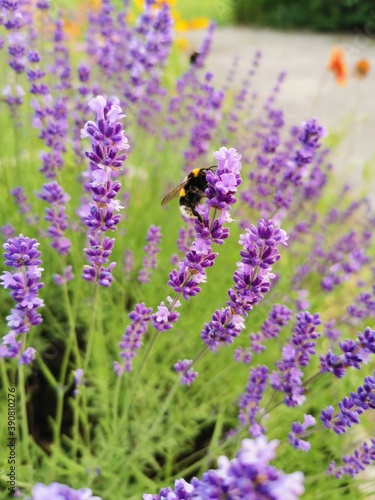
[[309, 90]]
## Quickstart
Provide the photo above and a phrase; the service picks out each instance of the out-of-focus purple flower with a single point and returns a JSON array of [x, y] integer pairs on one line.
[[298, 431], [206, 112], [132, 339], [354, 353], [55, 196], [187, 374], [355, 463], [65, 277], [8, 231], [128, 263], [151, 250], [295, 354], [363, 305], [27, 356], [249, 475], [21, 200], [350, 407], [249, 414], [78, 381], [278, 317], [108, 143], [22, 254], [59, 491]]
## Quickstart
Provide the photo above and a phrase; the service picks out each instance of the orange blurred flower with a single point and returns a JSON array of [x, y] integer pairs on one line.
[[362, 67], [337, 65]]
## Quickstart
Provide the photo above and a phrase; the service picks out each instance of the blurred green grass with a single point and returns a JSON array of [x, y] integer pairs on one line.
[[220, 11]]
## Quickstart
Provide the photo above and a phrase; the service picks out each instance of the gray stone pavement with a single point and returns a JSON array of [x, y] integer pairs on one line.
[[309, 89]]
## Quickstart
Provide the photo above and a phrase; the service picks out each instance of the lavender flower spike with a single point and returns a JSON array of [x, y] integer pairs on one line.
[[355, 463], [22, 254], [252, 280], [108, 143], [249, 475], [220, 195]]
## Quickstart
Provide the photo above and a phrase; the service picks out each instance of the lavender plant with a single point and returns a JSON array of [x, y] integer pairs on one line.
[[277, 321]]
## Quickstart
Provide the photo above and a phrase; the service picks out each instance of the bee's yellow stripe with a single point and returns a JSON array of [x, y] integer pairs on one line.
[[196, 171], [182, 192]]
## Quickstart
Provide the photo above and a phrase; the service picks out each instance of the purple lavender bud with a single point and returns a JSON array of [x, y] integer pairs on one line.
[[367, 340], [298, 431], [187, 374], [164, 318], [249, 414], [132, 339], [151, 250], [66, 276], [22, 254], [21, 251], [27, 356]]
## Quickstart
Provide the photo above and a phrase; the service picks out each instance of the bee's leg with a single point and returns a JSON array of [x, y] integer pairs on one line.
[[197, 214]]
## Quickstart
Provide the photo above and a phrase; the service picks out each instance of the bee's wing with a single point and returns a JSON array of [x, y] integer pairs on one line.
[[172, 194]]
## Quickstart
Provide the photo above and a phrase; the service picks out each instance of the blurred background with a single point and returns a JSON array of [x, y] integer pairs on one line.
[[325, 47]]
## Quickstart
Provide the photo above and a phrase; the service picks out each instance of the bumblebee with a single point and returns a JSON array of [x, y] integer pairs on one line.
[[191, 191]]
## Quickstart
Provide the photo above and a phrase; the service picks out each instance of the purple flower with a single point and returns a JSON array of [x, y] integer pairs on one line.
[[355, 463], [22, 251], [354, 353], [295, 354], [78, 381], [65, 277], [278, 317], [107, 142], [249, 475], [350, 407], [59, 491], [132, 339], [298, 431], [165, 316], [21, 200], [55, 196], [250, 400], [22, 254], [187, 374], [252, 280], [151, 250]]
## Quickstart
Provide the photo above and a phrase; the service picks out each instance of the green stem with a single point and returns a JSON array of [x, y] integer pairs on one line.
[[90, 339], [24, 421], [47, 373], [5, 378]]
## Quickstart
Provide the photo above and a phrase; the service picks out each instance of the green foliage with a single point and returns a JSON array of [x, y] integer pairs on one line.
[[317, 15]]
